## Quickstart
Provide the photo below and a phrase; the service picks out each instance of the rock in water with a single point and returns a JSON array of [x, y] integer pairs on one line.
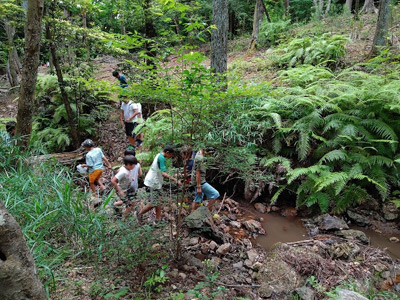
[[254, 226], [260, 208], [358, 218], [350, 295], [352, 234], [199, 218], [328, 222]]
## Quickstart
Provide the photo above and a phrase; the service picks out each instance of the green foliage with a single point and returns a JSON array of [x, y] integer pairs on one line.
[[156, 280], [325, 50], [272, 32], [89, 101], [60, 227]]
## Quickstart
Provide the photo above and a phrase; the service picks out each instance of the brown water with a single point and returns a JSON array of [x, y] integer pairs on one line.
[[278, 228], [381, 241], [291, 229]]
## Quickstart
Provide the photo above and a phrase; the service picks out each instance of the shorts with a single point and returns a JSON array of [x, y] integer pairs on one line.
[[95, 175], [129, 128], [206, 189], [155, 195], [130, 195]]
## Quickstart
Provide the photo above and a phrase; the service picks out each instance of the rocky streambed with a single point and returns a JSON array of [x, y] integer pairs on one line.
[[331, 260]]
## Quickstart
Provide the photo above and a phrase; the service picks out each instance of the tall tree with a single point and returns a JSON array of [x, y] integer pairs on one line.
[[349, 4], [219, 36], [369, 7], [18, 277], [381, 32], [259, 11], [61, 84], [33, 33]]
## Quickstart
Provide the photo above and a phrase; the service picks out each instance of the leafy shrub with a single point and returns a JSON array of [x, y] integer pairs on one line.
[[272, 32], [325, 50], [89, 101]]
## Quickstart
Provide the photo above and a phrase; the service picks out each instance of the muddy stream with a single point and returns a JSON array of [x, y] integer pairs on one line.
[[290, 229]]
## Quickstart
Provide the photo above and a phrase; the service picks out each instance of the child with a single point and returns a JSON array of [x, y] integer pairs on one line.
[[121, 78], [154, 180], [128, 117], [126, 182], [94, 161], [8, 136]]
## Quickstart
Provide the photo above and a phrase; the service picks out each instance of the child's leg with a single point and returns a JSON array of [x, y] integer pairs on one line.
[[132, 140], [146, 209], [158, 212], [195, 206], [93, 188]]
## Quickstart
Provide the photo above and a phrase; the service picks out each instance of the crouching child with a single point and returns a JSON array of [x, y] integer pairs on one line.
[[94, 162], [126, 184]]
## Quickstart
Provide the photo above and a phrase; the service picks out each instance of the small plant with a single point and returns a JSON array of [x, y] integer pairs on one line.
[[209, 285], [272, 32], [156, 280]]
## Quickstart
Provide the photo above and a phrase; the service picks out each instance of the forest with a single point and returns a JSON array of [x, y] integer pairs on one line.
[[200, 149]]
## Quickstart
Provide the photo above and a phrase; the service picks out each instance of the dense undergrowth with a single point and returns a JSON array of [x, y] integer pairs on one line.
[[61, 229]]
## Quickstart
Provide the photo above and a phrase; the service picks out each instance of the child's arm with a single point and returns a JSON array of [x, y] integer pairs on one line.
[[107, 162], [140, 171], [121, 117], [114, 182], [135, 112]]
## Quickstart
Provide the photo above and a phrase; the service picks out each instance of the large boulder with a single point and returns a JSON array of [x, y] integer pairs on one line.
[[352, 234], [328, 223], [358, 218], [390, 211], [276, 276], [350, 295], [199, 219]]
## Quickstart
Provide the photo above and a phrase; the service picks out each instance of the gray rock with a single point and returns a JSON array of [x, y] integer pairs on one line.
[[254, 226], [358, 218], [215, 262], [247, 243], [182, 275], [223, 249], [257, 266], [213, 245], [248, 263], [265, 290], [191, 260], [328, 222], [350, 295], [199, 218], [390, 211], [352, 234], [236, 224], [260, 208], [252, 254], [194, 241], [238, 265], [306, 293]]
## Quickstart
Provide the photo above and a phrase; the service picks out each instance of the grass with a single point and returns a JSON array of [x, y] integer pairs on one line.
[[61, 230]]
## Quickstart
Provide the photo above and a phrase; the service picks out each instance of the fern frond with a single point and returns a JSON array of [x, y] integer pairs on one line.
[[330, 179], [334, 155], [277, 159]]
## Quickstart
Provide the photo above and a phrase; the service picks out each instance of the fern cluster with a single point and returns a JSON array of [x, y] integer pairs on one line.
[[89, 104], [325, 50], [336, 135]]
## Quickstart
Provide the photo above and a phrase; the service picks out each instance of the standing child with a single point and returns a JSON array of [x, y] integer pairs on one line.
[[202, 187], [121, 78], [154, 181], [94, 161], [128, 117], [126, 182]]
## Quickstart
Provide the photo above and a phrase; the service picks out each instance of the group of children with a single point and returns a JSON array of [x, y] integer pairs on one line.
[[126, 180]]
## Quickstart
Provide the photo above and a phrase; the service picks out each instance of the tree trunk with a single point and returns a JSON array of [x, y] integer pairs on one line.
[[357, 10], [12, 64], [258, 15], [219, 36], [287, 7], [349, 5], [381, 32], [149, 31], [369, 7], [232, 23], [33, 30], [328, 7], [18, 276], [61, 84]]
